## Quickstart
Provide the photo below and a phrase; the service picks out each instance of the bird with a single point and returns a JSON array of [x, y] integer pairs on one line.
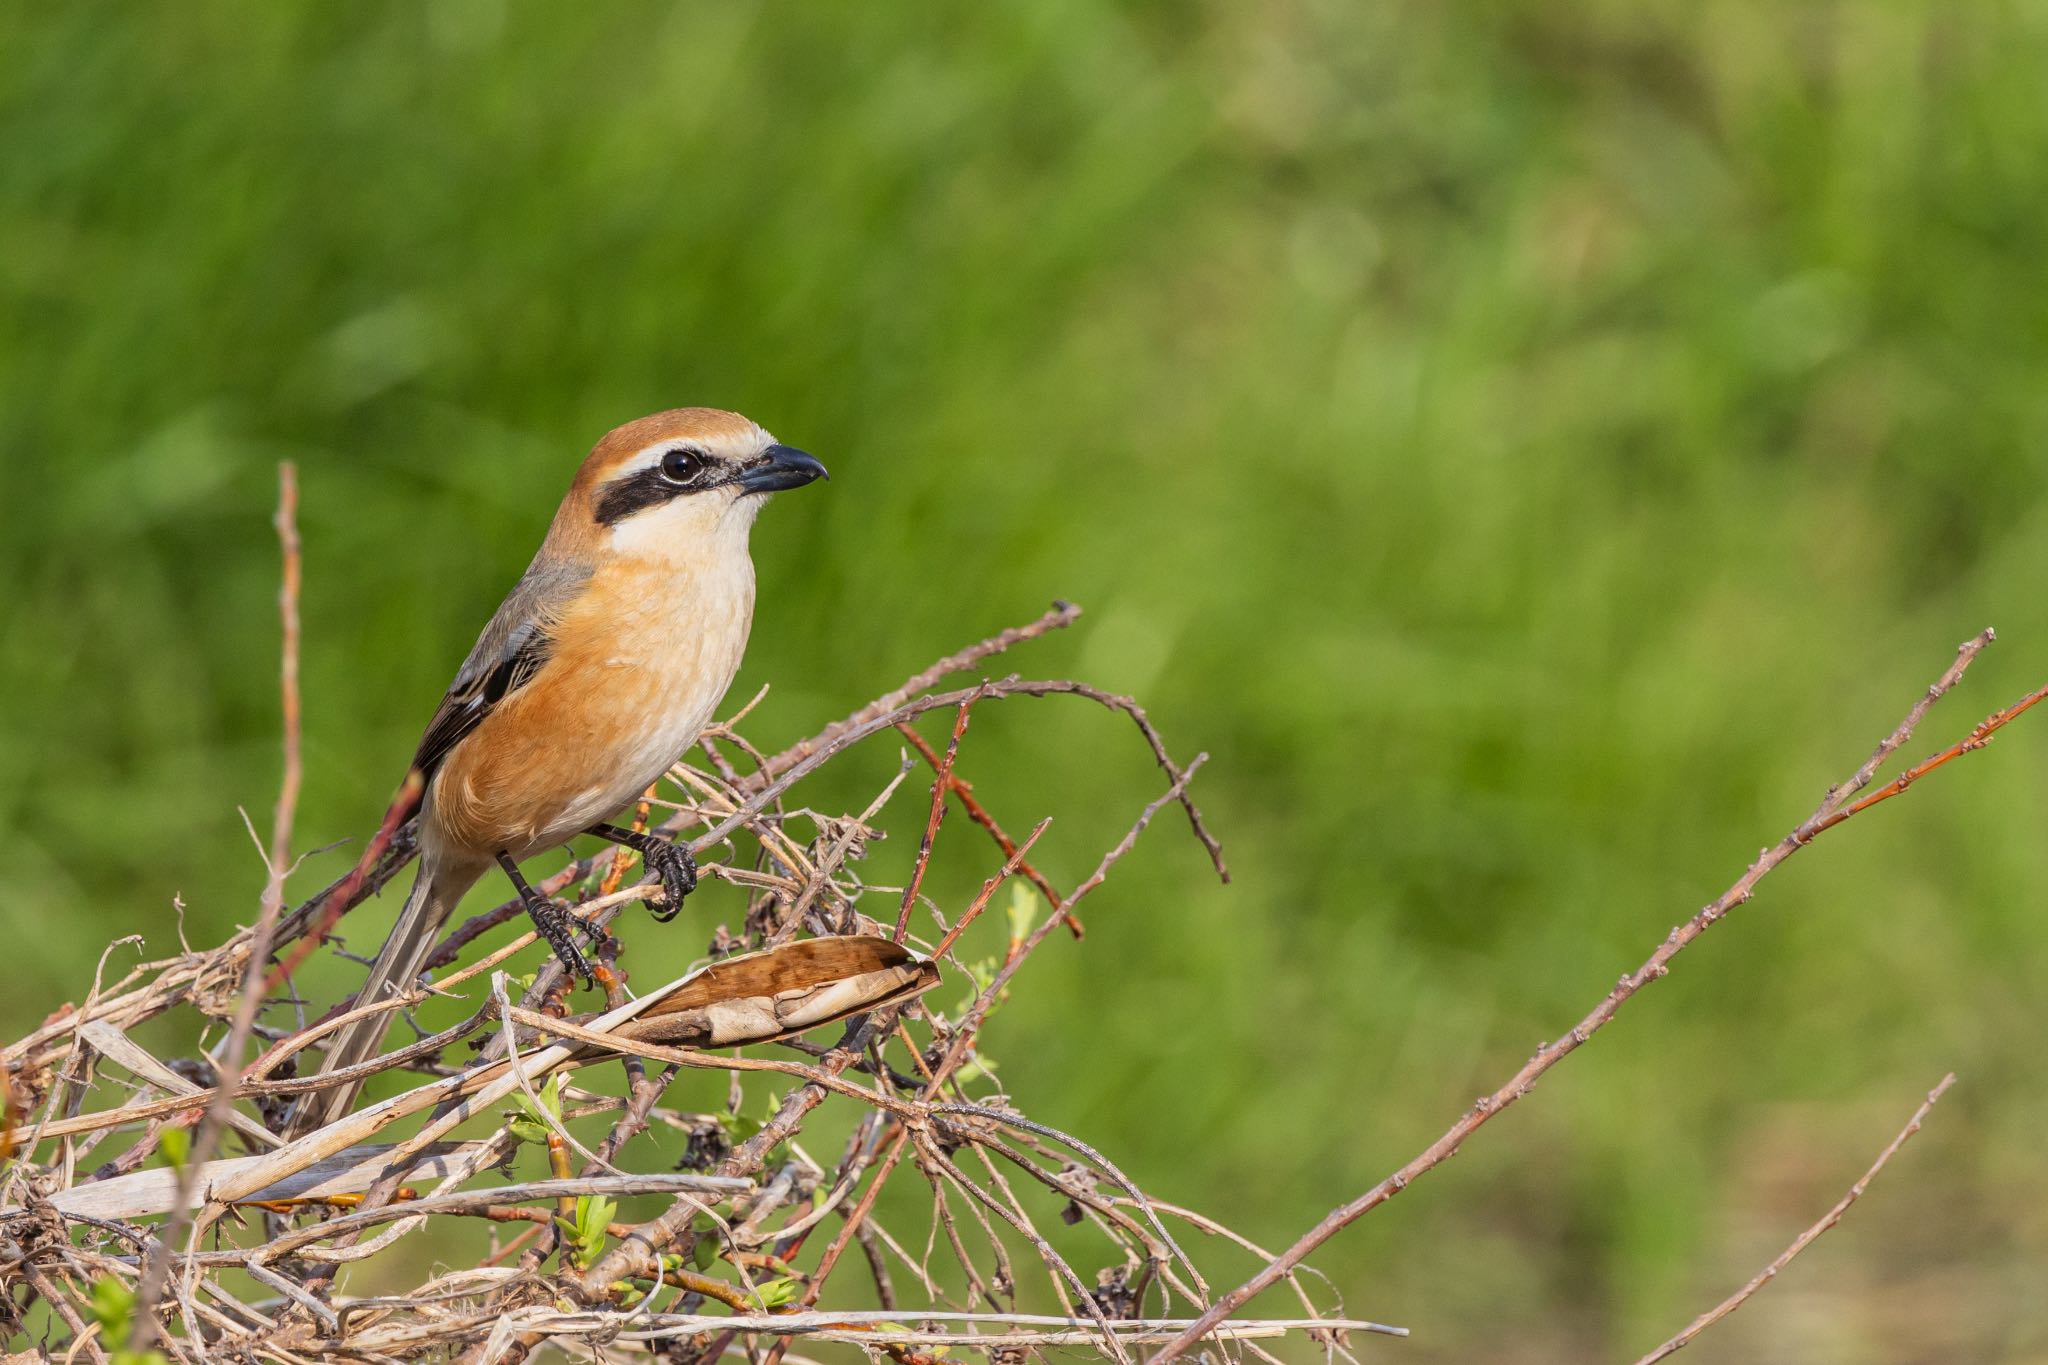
[[596, 675]]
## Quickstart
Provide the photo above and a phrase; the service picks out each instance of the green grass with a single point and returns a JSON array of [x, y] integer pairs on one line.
[[1534, 449]]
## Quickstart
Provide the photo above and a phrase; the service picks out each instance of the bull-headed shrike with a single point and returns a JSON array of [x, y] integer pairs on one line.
[[596, 675]]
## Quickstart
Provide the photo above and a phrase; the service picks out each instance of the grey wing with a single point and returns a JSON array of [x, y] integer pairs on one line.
[[512, 648]]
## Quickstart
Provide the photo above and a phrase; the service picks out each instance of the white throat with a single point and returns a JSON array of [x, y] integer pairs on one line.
[[696, 532]]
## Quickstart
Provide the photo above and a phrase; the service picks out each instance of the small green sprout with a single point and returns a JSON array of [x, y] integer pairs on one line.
[[587, 1231], [529, 1124]]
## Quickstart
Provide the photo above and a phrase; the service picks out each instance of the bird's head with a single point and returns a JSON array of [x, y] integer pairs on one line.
[[668, 480]]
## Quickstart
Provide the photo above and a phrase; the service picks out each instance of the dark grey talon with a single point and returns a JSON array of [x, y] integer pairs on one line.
[[668, 860], [557, 926], [554, 924], [677, 869]]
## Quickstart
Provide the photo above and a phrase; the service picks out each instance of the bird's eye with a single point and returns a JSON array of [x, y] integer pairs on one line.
[[681, 465]]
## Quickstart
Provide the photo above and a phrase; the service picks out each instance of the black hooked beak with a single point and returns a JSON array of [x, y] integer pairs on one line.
[[780, 468]]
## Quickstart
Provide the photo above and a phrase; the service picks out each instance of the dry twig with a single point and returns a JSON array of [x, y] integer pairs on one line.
[[1806, 1238], [1834, 808]]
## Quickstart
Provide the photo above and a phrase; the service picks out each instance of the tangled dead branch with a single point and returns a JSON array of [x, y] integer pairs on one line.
[[582, 1209], [123, 1235]]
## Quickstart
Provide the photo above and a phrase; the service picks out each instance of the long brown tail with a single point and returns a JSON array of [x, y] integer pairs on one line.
[[427, 907]]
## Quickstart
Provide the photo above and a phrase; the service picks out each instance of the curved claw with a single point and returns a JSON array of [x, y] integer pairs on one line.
[[556, 928], [677, 869]]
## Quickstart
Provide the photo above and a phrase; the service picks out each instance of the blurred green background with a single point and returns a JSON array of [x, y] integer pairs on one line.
[[1534, 448]]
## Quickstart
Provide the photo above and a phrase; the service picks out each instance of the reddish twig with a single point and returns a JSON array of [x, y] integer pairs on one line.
[[855, 1220], [1976, 739], [931, 824], [1966, 653], [963, 790], [1806, 1238], [347, 893], [856, 1217], [988, 889], [507, 1251], [1830, 813], [622, 857], [287, 522], [964, 1032]]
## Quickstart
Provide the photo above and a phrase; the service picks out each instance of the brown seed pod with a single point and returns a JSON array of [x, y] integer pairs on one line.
[[781, 992]]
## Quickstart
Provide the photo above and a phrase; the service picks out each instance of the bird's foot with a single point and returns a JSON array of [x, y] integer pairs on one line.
[[558, 928], [677, 869], [555, 924]]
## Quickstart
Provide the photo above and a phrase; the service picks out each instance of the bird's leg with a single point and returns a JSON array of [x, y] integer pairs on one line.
[[665, 858], [550, 921]]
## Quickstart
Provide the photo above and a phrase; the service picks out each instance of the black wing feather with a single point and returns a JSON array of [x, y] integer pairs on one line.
[[469, 701], [513, 647]]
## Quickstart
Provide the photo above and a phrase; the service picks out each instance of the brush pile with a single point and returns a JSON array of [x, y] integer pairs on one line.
[[525, 1180]]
